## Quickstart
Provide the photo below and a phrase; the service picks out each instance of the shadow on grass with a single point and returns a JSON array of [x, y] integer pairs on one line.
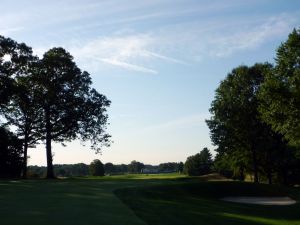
[[199, 204]]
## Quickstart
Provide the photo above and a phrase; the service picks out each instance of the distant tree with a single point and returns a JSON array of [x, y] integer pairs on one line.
[[96, 168], [71, 170], [109, 168], [122, 168], [280, 93], [71, 108], [180, 167], [168, 167], [135, 167], [10, 154], [199, 164]]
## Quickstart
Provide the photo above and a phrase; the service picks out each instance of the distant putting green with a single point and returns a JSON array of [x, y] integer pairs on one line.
[[140, 199]]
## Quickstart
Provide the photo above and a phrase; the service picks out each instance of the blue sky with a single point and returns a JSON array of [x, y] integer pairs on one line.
[[159, 62]]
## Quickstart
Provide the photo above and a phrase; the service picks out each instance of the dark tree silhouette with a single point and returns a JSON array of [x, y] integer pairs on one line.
[[10, 154], [135, 167], [71, 108], [96, 168], [109, 168], [17, 101]]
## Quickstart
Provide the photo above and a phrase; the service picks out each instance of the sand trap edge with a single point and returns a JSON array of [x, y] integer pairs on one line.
[[261, 200]]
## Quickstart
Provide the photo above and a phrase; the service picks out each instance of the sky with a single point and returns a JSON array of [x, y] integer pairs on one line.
[[158, 61]]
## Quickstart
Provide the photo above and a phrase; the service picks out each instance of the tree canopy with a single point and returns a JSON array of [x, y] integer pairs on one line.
[[199, 164], [280, 93], [50, 99], [96, 168]]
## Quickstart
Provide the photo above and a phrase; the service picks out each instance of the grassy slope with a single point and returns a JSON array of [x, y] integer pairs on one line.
[[152, 199], [197, 203]]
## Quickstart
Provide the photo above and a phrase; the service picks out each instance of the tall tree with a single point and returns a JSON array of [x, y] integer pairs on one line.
[[235, 124], [23, 113], [17, 92], [280, 93], [71, 108]]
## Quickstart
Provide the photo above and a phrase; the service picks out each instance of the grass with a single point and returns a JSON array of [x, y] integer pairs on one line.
[[139, 200]]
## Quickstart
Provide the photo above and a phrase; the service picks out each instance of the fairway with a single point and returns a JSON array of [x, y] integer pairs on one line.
[[140, 199]]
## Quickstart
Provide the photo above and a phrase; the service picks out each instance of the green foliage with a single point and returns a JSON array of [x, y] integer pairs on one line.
[[280, 94], [96, 168], [199, 164], [236, 127]]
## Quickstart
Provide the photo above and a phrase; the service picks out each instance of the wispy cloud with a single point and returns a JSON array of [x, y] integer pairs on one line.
[[249, 38], [179, 123], [128, 66], [143, 35], [131, 52], [9, 31]]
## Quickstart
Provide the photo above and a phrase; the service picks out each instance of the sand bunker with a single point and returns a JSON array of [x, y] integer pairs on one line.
[[261, 200]]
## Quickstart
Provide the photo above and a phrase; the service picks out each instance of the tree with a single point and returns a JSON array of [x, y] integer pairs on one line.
[[135, 167], [199, 164], [236, 127], [280, 93], [96, 168], [17, 92], [10, 154], [109, 168], [22, 112], [71, 108], [180, 167]]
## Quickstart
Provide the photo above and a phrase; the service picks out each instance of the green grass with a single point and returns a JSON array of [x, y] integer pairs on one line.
[[198, 203], [139, 200]]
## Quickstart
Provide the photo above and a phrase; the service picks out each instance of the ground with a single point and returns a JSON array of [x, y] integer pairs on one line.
[[140, 200]]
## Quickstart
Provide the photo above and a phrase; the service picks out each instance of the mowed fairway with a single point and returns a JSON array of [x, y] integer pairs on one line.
[[140, 199]]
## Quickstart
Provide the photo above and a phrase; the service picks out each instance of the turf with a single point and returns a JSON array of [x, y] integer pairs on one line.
[[138, 200], [198, 203]]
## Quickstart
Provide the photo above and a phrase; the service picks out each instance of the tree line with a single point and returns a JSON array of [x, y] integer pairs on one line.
[[45, 100], [255, 122], [97, 168]]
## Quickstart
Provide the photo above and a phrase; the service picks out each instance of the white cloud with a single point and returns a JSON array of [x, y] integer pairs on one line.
[[128, 66], [249, 37], [131, 52]]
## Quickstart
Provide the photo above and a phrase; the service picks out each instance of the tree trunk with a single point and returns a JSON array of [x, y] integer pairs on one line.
[[241, 176], [269, 167], [50, 173], [270, 176], [24, 175], [255, 169]]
